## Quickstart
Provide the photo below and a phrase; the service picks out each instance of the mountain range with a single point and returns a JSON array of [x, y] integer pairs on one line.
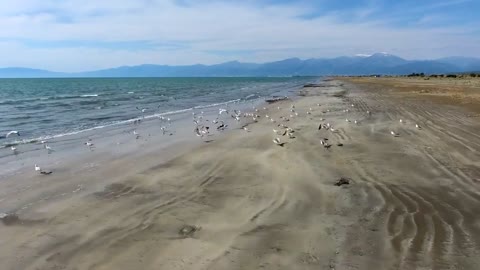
[[379, 63]]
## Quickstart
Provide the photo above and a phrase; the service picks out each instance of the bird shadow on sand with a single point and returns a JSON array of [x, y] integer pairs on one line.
[[13, 219]]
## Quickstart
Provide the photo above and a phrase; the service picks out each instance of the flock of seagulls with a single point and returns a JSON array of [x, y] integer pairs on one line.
[[203, 126]]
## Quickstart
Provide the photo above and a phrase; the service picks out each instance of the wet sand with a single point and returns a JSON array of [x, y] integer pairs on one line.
[[242, 202]]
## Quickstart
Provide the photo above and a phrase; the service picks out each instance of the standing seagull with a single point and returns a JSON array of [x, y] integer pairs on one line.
[[38, 169], [394, 134], [49, 149], [14, 149], [277, 142], [417, 126]]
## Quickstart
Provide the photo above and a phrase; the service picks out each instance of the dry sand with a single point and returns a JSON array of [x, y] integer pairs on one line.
[[241, 202]]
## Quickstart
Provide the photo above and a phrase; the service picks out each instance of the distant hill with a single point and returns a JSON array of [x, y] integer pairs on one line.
[[379, 63], [465, 63], [19, 72]]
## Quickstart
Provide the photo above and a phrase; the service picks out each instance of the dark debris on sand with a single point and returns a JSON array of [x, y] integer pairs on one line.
[[342, 181]]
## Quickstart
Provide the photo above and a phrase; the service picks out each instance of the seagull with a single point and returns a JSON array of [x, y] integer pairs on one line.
[[43, 142], [143, 110], [401, 121], [290, 135], [38, 169], [49, 149], [277, 142], [356, 122], [318, 104], [13, 132], [353, 105], [246, 129], [222, 126], [417, 126], [89, 144], [14, 149], [266, 116], [278, 108], [347, 120], [325, 144], [309, 112], [164, 130], [220, 111], [136, 134], [393, 133]]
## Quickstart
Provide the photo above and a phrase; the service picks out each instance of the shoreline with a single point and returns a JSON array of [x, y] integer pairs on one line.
[[242, 202]]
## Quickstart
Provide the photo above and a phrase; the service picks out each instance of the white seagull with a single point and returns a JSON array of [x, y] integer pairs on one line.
[[394, 134], [38, 169], [49, 149], [143, 110], [13, 132], [417, 126], [278, 142]]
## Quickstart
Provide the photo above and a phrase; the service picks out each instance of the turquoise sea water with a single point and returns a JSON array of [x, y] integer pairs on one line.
[[42, 108]]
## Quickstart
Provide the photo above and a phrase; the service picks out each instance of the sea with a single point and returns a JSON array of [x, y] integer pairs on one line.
[[43, 109]]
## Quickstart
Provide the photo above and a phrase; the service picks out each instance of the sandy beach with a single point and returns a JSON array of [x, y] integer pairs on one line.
[[242, 202]]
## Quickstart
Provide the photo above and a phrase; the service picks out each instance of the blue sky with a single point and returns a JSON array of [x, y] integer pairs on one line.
[[77, 35]]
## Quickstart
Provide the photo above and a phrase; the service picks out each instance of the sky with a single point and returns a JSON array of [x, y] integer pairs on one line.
[[80, 35]]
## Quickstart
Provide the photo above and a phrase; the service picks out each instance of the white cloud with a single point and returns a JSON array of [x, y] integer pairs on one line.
[[271, 32]]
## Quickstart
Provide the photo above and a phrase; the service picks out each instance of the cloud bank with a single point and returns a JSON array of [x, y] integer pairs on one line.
[[74, 35]]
